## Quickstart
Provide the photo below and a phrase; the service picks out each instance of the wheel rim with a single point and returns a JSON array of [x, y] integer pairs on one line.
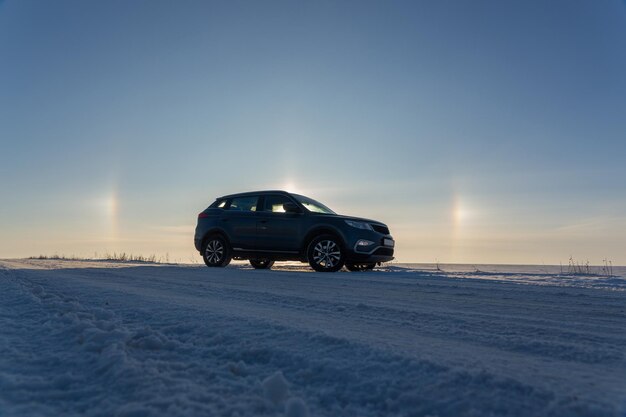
[[326, 253], [214, 252]]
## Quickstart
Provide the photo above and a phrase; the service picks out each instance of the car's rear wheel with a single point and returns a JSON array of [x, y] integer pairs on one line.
[[325, 254], [356, 267], [261, 263], [216, 252]]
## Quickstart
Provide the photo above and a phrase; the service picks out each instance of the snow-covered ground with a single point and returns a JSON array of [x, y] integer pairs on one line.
[[102, 339]]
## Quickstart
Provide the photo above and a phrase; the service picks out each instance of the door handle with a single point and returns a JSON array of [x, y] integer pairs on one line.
[[262, 221], [224, 219]]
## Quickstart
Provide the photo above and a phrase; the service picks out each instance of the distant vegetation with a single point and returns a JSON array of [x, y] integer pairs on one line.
[[576, 268], [115, 256]]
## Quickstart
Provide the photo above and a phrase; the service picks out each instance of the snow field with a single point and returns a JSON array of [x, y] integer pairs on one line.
[[100, 339]]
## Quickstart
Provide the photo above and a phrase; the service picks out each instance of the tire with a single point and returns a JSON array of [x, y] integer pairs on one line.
[[261, 263], [359, 267], [216, 252], [325, 253]]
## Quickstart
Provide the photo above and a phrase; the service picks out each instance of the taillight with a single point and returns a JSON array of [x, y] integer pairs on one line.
[[202, 215]]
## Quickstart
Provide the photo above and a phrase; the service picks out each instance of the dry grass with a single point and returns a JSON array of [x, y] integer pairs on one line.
[[577, 268], [115, 256]]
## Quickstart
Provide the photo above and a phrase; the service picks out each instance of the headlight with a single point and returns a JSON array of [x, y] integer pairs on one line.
[[359, 225]]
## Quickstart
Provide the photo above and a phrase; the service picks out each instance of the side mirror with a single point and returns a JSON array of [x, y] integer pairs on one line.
[[291, 208]]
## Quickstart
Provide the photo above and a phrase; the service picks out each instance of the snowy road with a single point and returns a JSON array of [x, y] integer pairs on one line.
[[97, 338]]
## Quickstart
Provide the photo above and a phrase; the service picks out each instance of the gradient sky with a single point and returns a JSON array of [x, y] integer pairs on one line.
[[480, 132]]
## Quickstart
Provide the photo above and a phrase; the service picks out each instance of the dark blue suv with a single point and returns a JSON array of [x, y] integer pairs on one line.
[[268, 226]]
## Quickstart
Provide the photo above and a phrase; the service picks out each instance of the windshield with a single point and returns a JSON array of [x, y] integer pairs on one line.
[[312, 205]]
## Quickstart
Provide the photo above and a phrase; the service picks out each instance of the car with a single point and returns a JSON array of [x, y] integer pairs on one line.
[[268, 226]]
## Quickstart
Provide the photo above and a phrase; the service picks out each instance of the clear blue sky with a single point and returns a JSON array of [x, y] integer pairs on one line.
[[483, 132]]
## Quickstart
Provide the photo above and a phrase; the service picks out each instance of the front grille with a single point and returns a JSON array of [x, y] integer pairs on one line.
[[384, 251], [380, 229]]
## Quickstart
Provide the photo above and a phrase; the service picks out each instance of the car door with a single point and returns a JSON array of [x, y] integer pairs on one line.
[[276, 229], [239, 221]]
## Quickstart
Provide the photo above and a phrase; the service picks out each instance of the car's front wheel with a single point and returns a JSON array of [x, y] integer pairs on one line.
[[216, 252], [325, 254], [261, 263], [355, 267]]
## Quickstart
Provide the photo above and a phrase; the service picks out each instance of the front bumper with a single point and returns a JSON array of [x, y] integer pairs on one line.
[[381, 248]]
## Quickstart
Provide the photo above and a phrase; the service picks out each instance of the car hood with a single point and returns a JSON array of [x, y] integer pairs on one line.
[[358, 219]]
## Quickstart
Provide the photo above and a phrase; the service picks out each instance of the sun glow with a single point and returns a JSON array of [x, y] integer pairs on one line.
[[110, 205], [460, 213], [291, 187]]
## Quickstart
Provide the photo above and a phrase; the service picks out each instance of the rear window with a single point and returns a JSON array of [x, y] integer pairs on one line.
[[219, 203], [247, 203]]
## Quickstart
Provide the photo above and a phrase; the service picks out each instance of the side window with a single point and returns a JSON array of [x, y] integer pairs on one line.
[[247, 203], [274, 203]]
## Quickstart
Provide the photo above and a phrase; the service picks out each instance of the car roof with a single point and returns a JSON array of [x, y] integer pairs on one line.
[[247, 193]]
